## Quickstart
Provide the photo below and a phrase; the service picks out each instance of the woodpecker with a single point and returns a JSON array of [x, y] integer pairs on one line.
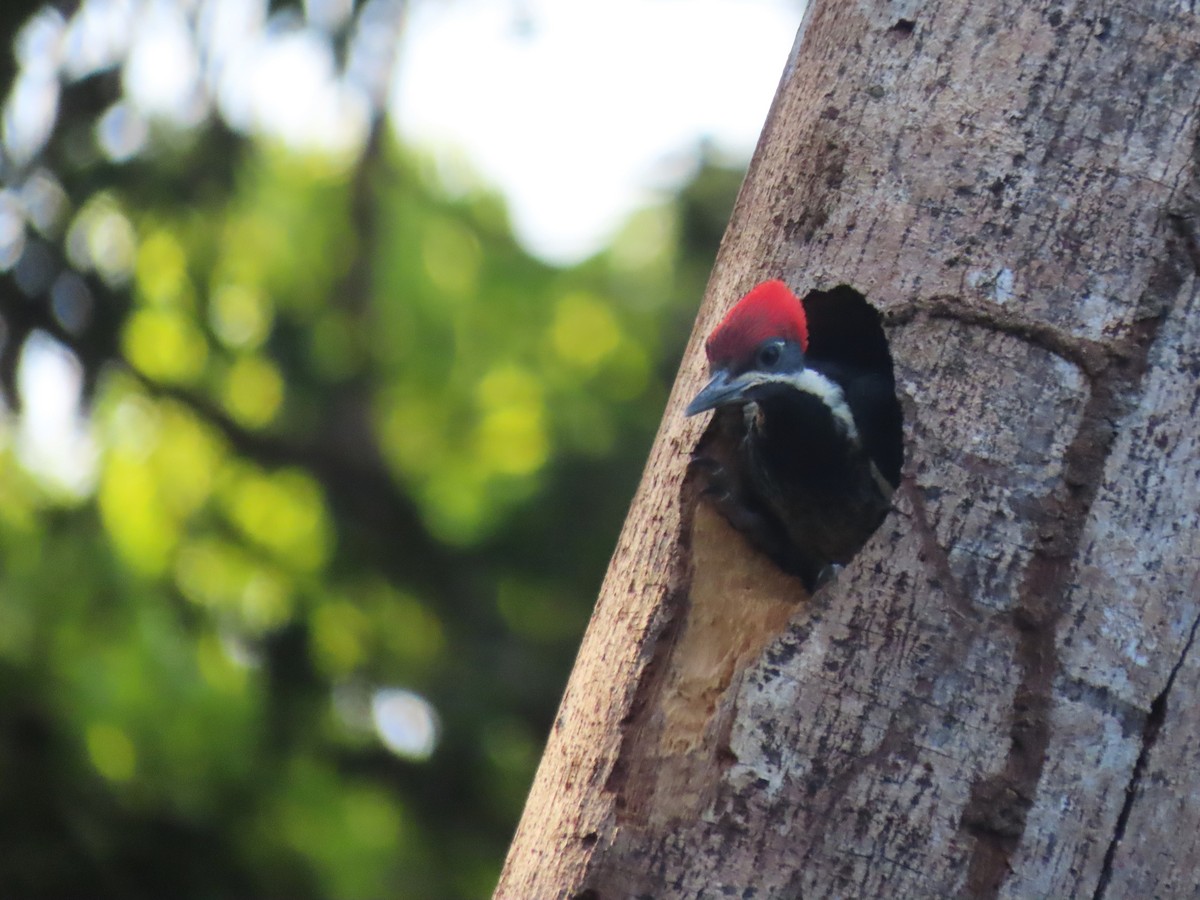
[[805, 449]]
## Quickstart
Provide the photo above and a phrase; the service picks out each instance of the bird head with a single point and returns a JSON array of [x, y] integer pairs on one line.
[[762, 340]]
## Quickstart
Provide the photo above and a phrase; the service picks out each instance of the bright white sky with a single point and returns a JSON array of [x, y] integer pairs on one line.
[[576, 110]]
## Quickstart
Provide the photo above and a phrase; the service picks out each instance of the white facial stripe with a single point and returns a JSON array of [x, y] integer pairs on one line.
[[822, 388]]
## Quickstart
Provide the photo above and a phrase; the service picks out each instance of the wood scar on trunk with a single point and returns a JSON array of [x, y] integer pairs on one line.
[[729, 602]]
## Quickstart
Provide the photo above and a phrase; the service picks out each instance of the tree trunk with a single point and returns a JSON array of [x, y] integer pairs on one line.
[[997, 696]]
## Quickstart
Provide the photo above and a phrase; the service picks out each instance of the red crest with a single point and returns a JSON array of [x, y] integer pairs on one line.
[[770, 310]]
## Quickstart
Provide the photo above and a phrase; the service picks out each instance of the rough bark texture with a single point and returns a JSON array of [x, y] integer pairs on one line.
[[997, 698]]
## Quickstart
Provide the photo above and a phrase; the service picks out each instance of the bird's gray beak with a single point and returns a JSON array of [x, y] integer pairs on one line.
[[719, 391]]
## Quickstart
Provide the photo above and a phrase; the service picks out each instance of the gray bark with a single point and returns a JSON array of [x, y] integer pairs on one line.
[[997, 697]]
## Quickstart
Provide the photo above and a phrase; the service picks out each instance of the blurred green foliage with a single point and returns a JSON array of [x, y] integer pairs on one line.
[[349, 437]]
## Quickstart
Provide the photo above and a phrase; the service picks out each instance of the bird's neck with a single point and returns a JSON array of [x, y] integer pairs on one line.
[[809, 433]]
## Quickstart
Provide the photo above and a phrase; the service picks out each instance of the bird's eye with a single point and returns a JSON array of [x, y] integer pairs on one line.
[[769, 355]]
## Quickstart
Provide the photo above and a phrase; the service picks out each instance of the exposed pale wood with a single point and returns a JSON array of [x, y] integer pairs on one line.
[[997, 696]]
